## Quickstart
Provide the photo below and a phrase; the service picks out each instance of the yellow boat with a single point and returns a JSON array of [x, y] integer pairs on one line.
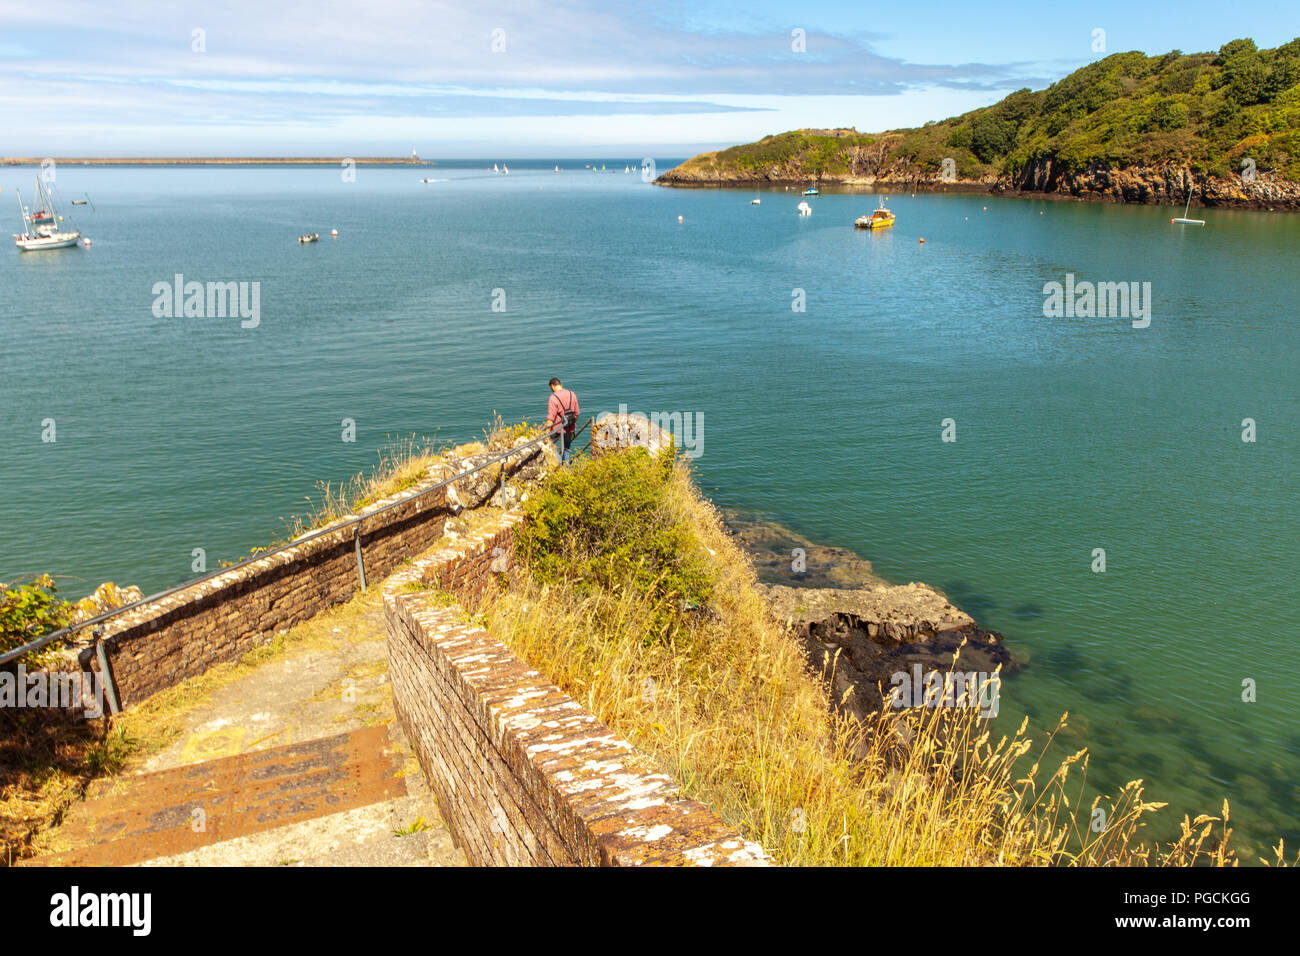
[[880, 218]]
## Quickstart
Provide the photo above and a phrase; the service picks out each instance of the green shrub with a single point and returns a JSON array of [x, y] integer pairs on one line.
[[609, 523], [1168, 114], [29, 609]]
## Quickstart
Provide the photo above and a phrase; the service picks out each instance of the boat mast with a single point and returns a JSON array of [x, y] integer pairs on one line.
[[22, 211], [49, 204]]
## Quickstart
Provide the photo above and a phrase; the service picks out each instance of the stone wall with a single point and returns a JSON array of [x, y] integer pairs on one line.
[[524, 775], [157, 645]]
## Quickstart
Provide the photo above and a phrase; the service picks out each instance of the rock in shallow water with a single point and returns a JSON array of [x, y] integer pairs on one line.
[[861, 637]]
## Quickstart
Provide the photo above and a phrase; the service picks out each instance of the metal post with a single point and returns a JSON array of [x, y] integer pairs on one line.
[[106, 675], [361, 567]]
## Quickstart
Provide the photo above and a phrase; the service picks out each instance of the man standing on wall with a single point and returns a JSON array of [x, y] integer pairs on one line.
[[562, 416]]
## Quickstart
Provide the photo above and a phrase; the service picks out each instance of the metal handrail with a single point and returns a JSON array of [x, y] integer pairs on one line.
[[46, 639]]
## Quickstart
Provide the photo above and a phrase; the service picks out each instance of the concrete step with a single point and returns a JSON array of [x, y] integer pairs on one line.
[[153, 815]]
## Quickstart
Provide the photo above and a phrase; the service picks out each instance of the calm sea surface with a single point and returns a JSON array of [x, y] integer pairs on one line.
[[1073, 434]]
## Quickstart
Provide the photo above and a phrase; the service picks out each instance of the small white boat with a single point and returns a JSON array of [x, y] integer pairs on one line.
[[505, 169], [805, 209], [1184, 220], [53, 240], [495, 169], [310, 237], [557, 168]]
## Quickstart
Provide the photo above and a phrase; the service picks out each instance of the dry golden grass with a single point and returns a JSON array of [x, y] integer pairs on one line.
[[731, 710]]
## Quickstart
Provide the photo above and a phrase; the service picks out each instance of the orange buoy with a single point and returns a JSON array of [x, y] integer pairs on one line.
[[922, 242]]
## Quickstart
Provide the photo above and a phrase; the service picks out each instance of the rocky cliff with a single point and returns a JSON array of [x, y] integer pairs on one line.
[[866, 167], [1222, 127]]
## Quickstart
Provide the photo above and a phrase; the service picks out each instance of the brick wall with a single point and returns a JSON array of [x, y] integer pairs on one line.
[[524, 775], [162, 643]]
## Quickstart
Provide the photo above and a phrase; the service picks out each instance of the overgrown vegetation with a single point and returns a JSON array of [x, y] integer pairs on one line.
[[608, 524], [1205, 110], [30, 608], [821, 152], [725, 702]]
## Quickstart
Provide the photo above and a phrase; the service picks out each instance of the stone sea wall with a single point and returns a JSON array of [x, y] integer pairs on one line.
[[524, 775]]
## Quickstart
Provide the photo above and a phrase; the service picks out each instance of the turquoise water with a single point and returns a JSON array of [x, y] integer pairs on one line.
[[1072, 433]]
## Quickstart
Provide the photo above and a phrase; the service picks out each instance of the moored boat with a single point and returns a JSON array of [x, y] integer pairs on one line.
[[44, 233], [880, 218], [1183, 220]]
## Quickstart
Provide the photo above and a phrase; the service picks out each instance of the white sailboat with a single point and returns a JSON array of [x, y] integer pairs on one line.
[[1184, 220], [495, 169], [505, 169], [45, 235]]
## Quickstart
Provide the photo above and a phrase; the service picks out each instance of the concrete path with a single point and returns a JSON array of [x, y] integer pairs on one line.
[[295, 760]]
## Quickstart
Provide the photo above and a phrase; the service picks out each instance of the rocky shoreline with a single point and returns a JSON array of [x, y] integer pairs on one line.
[[857, 628], [1168, 184]]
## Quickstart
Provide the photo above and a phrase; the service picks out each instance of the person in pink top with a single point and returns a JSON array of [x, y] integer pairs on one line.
[[562, 416]]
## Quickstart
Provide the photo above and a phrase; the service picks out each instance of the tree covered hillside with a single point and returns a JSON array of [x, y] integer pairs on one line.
[[1205, 111]]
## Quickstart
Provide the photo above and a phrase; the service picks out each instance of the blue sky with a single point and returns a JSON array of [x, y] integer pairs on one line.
[[566, 78]]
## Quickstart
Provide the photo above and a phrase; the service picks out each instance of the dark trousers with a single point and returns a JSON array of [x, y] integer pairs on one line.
[[562, 441]]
